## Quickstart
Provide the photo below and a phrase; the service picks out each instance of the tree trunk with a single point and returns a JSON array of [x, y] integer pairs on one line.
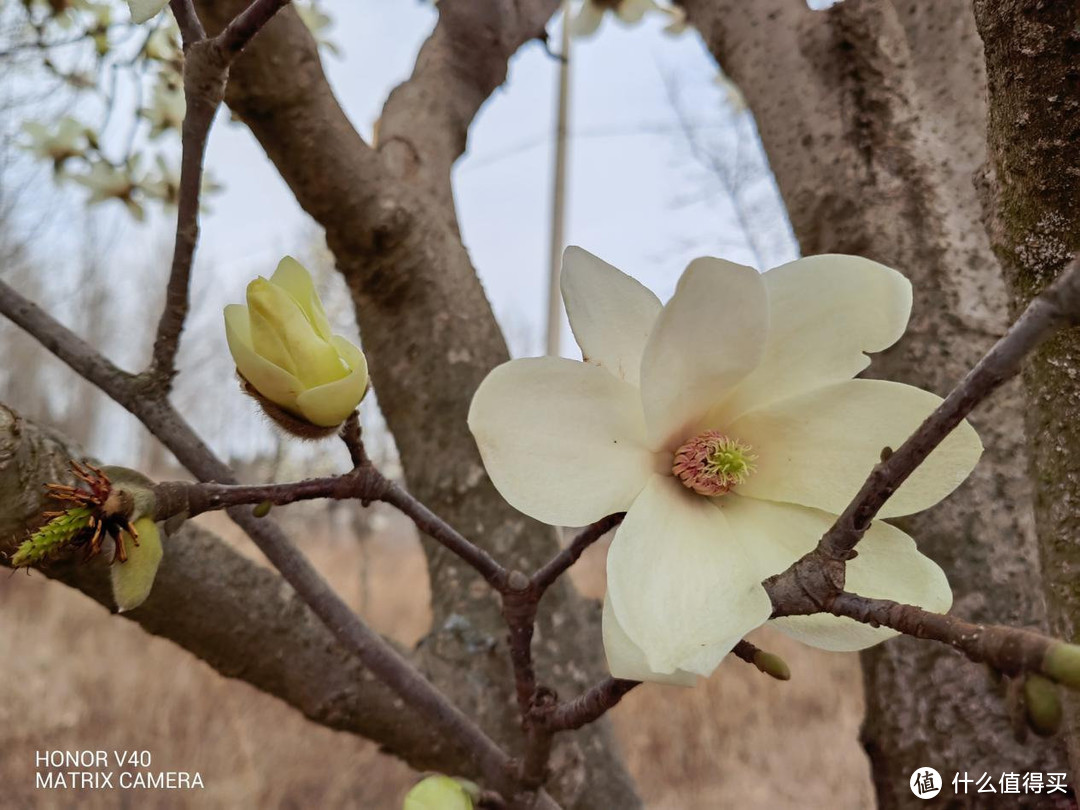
[[1033, 216], [872, 116], [431, 337]]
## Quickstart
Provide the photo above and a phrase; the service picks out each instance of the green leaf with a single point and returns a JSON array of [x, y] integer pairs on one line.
[[133, 579]]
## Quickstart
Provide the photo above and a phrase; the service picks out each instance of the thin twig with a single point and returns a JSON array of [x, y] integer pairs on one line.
[[351, 436], [191, 29], [585, 708], [365, 483], [206, 69], [1010, 650], [557, 565], [205, 73], [438, 529], [1056, 307], [247, 24]]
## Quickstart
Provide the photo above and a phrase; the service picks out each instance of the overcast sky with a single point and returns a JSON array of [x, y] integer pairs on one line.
[[633, 196], [636, 196]]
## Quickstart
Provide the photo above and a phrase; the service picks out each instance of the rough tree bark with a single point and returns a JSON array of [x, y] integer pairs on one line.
[[872, 115], [1033, 216], [431, 337]]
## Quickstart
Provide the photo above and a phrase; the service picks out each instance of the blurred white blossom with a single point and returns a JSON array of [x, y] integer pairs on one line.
[[69, 139], [591, 13], [166, 109], [109, 182]]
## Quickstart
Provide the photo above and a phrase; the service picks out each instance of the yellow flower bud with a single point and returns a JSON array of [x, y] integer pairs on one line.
[[438, 793], [285, 352]]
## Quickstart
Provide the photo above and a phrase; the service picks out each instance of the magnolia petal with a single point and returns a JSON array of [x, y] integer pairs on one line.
[[587, 21], [271, 381], [682, 586], [824, 313], [610, 313], [133, 579], [707, 338], [563, 441], [282, 334], [329, 405], [143, 10], [626, 660], [294, 278], [817, 449]]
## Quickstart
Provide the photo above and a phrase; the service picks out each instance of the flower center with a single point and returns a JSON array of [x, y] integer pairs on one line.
[[712, 463]]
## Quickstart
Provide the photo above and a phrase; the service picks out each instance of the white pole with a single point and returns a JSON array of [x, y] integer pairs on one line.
[[558, 197]]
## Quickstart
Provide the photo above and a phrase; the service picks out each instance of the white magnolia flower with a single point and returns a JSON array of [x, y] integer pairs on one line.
[[108, 182], [68, 140], [167, 107], [143, 10], [733, 94], [587, 21], [319, 24], [164, 185], [164, 44], [727, 425]]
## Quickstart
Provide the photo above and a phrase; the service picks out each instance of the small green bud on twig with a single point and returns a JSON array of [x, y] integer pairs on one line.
[[262, 509], [1062, 664], [772, 665], [1042, 705]]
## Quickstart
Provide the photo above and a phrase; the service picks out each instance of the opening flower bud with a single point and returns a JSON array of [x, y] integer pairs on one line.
[[306, 378]]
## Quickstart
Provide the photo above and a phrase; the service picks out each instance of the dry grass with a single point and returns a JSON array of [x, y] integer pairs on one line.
[[78, 679]]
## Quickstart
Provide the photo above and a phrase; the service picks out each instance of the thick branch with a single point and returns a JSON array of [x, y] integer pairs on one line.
[[457, 69], [247, 24]]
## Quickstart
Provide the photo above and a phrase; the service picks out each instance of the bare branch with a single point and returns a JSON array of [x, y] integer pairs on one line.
[[811, 583], [438, 529], [585, 708], [557, 565], [191, 29], [1055, 308], [64, 343], [205, 73], [247, 24], [206, 69], [365, 483], [1008, 649]]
